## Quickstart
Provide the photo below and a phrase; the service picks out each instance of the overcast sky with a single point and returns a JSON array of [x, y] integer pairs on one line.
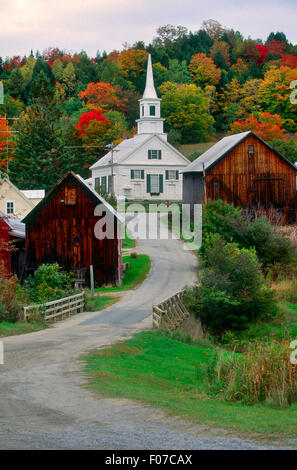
[[106, 24]]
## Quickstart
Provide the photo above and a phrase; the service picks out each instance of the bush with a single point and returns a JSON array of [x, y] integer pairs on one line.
[[12, 299], [232, 290], [49, 283], [220, 218], [263, 374]]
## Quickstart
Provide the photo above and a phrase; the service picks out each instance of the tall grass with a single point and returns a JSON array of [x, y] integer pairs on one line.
[[263, 374]]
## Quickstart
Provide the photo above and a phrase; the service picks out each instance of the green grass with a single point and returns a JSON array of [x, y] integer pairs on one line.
[[19, 328], [161, 371], [128, 242], [134, 276], [189, 149], [284, 325], [98, 303]]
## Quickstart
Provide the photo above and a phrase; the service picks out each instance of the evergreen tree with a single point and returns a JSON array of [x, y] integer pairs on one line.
[[40, 157]]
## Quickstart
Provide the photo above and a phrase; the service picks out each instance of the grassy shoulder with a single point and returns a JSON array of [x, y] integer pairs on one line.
[[135, 275], [158, 370], [99, 302], [19, 328]]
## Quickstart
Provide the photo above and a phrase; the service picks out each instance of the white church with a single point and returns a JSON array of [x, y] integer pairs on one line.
[[145, 167]]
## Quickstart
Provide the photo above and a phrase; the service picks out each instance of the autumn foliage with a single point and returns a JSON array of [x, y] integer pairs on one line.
[[203, 70], [4, 136], [101, 96], [267, 126], [86, 118]]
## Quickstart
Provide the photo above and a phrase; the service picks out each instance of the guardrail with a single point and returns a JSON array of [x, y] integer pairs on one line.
[[170, 313], [57, 308]]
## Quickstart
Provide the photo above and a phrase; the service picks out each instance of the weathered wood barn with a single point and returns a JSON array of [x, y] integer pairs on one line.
[[12, 246], [244, 170], [61, 229]]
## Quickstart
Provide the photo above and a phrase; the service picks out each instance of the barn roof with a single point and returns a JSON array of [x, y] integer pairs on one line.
[[92, 193], [219, 150]]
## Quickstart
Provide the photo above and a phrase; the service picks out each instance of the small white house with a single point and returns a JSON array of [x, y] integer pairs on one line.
[[145, 167]]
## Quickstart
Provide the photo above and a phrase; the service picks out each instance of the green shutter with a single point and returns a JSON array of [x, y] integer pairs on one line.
[[161, 183], [142, 174], [149, 154], [177, 174], [109, 183], [132, 174], [148, 183], [159, 154], [167, 175]]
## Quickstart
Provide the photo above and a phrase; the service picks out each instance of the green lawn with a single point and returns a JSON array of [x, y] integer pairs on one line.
[[161, 371], [127, 241], [19, 328], [98, 303], [134, 276]]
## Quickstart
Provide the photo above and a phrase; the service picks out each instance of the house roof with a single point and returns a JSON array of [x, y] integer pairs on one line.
[[92, 193], [219, 150], [17, 228], [128, 147], [33, 193], [6, 180]]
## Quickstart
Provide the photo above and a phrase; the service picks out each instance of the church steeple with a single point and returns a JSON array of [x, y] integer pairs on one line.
[[150, 121], [149, 91]]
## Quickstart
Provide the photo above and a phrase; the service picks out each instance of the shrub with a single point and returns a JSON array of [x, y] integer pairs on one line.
[[232, 290], [220, 218], [49, 283], [12, 298], [263, 374]]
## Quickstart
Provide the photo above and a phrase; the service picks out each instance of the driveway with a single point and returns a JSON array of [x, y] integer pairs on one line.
[[43, 403]]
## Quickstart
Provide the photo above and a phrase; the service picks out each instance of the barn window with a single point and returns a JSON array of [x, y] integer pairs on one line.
[[216, 186], [70, 196], [251, 149], [9, 207]]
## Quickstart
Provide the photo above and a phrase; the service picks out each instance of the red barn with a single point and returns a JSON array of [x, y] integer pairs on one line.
[[61, 229], [244, 170], [12, 246]]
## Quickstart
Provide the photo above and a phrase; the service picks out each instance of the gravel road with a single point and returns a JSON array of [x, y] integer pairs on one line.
[[43, 403]]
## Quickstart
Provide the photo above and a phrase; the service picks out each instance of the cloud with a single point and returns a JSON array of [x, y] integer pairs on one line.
[[107, 24]]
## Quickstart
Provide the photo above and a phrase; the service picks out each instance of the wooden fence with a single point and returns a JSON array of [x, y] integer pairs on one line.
[[57, 308], [170, 313]]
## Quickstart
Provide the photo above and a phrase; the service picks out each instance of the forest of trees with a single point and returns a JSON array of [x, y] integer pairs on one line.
[[68, 106]]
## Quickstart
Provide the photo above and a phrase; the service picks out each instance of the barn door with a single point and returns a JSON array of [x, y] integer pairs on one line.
[[75, 245]]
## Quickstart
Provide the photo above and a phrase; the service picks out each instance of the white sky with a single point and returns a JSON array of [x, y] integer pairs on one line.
[[106, 24]]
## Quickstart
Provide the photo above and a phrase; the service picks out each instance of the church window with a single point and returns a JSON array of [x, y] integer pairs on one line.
[[152, 110], [155, 154]]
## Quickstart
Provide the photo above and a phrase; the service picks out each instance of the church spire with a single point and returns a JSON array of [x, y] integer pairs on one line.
[[149, 91]]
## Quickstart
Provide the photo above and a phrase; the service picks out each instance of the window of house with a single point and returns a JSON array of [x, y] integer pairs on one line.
[[137, 174], [152, 110], [9, 207], [251, 149], [172, 174], [155, 154], [97, 182], [155, 186], [103, 183]]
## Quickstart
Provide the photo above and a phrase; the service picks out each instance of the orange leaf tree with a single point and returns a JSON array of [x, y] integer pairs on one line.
[[5, 136], [101, 96], [265, 125], [203, 70]]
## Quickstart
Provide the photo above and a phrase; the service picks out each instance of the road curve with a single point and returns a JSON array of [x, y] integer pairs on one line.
[[43, 404]]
